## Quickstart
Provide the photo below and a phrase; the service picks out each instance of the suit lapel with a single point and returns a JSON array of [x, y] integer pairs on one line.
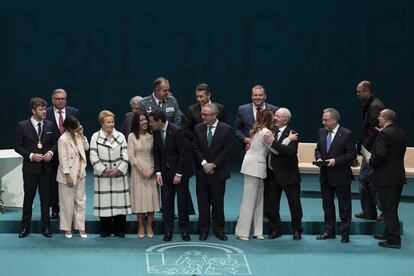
[[284, 134], [250, 116], [335, 139]]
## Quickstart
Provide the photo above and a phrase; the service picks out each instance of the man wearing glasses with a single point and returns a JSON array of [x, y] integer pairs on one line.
[[57, 114]]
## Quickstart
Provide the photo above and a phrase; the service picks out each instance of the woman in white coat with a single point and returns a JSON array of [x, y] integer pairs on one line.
[[254, 170], [109, 158], [71, 175]]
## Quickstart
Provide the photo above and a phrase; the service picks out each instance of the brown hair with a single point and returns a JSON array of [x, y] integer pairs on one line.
[[264, 120]]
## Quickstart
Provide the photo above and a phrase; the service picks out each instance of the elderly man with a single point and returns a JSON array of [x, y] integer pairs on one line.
[[126, 124], [212, 144], [203, 95], [285, 176], [57, 114], [371, 110], [335, 150], [387, 159]]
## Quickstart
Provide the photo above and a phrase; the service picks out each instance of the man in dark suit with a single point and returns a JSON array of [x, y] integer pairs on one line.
[[387, 159], [370, 112], [247, 114], [57, 114], [172, 172], [126, 124], [285, 176], [212, 144], [36, 141], [203, 96], [336, 147]]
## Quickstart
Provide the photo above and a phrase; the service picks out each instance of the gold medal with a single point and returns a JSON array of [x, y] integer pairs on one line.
[[39, 145]]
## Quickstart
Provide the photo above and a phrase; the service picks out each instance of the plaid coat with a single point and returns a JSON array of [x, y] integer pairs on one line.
[[111, 196]]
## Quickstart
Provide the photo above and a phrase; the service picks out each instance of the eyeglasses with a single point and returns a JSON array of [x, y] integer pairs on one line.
[[206, 114], [59, 99]]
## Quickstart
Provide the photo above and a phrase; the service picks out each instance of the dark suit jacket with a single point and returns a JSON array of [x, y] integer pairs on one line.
[[194, 118], [218, 152], [370, 113], [172, 156], [245, 120], [70, 111], [343, 150], [285, 164], [387, 157], [126, 124], [26, 143]]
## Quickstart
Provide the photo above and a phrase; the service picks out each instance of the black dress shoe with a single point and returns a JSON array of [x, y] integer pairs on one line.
[[120, 235], [221, 236], [378, 236], [345, 239], [274, 235], [297, 235], [24, 233], [168, 236], [105, 234], [325, 236], [185, 236], [203, 236], [380, 217], [362, 215], [55, 215], [389, 245], [46, 232]]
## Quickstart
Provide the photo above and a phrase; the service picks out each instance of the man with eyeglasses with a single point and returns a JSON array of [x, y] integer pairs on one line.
[[372, 107], [57, 114]]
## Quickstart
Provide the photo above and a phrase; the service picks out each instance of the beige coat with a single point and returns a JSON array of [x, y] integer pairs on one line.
[[71, 160]]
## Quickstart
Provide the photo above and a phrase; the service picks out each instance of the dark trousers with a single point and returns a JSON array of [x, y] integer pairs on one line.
[[113, 225], [367, 191], [168, 192], [390, 199], [293, 196], [54, 192], [343, 193], [30, 184], [210, 193]]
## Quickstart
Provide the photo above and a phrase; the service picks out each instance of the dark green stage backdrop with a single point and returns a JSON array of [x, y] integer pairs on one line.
[[308, 54]]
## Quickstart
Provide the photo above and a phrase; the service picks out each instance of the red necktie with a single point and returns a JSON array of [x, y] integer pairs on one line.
[[61, 128], [258, 112]]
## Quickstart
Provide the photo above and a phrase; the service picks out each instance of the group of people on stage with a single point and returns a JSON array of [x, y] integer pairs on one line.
[[163, 147]]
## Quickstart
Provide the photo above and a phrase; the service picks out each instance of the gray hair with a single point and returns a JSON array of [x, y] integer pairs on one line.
[[389, 114], [135, 100], [334, 113], [212, 106], [286, 113], [59, 90]]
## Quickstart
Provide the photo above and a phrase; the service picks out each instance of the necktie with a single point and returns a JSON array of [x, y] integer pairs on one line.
[[160, 104], [39, 130], [258, 112], [61, 128], [328, 140], [278, 134], [210, 134], [163, 136]]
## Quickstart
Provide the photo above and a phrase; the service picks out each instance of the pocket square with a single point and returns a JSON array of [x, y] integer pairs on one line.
[[49, 132]]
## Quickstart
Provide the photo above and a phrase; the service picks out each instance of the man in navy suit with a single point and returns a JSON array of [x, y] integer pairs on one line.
[[211, 146], [246, 114], [337, 148], [171, 160], [57, 114], [36, 141], [387, 159]]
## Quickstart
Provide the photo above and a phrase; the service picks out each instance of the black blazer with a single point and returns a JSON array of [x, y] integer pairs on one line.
[[387, 157], [285, 164], [343, 150], [26, 143], [370, 112], [218, 152], [70, 111], [194, 118], [172, 156]]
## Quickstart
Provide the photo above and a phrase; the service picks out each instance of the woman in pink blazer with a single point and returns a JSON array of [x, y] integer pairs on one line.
[[71, 177]]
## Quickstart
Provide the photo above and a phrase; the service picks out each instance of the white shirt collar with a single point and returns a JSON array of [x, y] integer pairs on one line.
[[35, 122], [165, 126], [57, 110]]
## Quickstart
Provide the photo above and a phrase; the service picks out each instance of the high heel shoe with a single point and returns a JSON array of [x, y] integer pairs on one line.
[[141, 233], [150, 233], [83, 234], [68, 234]]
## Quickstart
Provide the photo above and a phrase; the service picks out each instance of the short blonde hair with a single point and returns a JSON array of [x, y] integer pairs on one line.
[[103, 114]]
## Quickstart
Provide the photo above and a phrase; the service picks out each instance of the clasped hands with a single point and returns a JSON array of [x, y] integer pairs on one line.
[[38, 157], [208, 168], [112, 171]]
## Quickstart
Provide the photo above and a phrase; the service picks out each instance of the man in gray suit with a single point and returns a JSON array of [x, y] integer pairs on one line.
[[126, 124], [160, 100]]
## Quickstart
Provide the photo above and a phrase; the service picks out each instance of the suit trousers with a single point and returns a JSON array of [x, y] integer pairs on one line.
[[251, 209], [343, 193], [210, 193], [72, 205], [367, 191], [54, 189], [113, 225], [168, 192], [293, 196], [390, 199], [30, 183]]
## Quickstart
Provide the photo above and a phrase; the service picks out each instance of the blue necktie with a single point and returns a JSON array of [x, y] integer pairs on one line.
[[328, 140]]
